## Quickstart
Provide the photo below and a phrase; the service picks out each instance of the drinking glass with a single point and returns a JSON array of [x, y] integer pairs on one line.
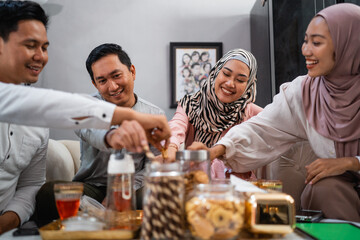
[[67, 197]]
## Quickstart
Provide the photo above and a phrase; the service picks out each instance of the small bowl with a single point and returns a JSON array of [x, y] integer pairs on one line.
[[82, 223]]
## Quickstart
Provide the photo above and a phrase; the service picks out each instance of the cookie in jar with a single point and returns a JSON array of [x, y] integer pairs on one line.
[[213, 211], [195, 166]]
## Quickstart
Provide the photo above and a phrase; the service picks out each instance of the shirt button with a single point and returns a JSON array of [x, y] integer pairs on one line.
[[11, 133], [104, 115]]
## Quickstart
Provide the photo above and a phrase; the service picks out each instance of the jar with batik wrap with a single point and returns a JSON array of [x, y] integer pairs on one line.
[[163, 205]]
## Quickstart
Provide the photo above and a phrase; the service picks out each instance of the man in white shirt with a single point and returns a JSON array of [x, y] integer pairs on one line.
[[23, 55]]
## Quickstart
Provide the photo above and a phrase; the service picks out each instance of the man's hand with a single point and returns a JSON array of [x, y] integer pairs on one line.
[[8, 221], [215, 151], [129, 135], [156, 126], [156, 129], [327, 167]]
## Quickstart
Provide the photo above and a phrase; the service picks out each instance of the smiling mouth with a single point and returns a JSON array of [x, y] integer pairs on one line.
[[311, 62], [226, 91], [35, 68], [117, 94]]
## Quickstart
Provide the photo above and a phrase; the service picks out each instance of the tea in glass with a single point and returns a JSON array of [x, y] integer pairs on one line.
[[67, 197]]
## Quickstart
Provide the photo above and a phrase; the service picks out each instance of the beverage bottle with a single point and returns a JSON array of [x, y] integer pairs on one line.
[[120, 197]]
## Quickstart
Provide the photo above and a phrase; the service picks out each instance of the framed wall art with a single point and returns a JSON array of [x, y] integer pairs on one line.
[[190, 64]]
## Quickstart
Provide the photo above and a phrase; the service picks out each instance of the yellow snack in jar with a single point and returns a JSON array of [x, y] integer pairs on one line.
[[219, 217]]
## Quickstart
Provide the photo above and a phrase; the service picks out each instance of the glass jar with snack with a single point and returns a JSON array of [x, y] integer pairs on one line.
[[163, 205], [214, 211], [196, 167]]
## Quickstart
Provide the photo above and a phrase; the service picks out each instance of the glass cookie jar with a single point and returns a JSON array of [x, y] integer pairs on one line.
[[214, 211], [195, 165]]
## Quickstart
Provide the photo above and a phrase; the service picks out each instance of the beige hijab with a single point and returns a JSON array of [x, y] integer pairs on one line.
[[332, 102]]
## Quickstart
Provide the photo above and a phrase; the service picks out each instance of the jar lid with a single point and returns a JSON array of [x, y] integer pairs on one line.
[[193, 155]]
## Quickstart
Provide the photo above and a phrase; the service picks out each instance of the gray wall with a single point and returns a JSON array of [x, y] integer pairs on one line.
[[144, 29]]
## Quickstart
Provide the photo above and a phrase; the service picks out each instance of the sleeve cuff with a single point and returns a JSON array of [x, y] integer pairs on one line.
[[229, 145]]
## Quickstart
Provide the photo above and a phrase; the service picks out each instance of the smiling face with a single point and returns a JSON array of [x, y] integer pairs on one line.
[[318, 48], [114, 81], [186, 59], [24, 55], [231, 81]]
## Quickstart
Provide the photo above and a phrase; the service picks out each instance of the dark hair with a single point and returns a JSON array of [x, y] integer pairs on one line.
[[104, 50], [204, 54], [185, 54], [11, 12], [205, 64], [186, 68], [195, 53], [195, 64]]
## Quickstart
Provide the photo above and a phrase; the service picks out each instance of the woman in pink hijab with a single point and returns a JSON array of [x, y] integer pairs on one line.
[[322, 108]]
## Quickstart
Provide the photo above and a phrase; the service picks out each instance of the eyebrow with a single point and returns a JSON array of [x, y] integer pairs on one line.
[[316, 35], [240, 74], [113, 72], [31, 40]]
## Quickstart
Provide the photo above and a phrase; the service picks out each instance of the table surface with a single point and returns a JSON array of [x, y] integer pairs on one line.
[[291, 236], [9, 236]]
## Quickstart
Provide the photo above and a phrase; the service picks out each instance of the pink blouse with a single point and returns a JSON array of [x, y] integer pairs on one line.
[[182, 131]]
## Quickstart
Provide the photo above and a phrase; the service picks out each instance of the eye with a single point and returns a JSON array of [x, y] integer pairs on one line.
[[101, 81], [316, 43], [226, 74], [116, 75], [30, 46]]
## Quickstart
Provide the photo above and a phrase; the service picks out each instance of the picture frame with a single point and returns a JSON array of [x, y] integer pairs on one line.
[[190, 64]]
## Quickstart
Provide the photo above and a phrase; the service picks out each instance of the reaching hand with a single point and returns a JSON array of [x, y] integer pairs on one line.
[[156, 129], [129, 135], [327, 167], [215, 151]]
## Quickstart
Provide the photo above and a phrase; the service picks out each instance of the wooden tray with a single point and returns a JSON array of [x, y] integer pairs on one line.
[[54, 231]]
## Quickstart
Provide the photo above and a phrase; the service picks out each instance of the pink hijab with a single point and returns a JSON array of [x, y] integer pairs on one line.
[[332, 102]]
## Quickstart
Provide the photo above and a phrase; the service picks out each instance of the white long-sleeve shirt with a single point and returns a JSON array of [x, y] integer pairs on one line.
[[49, 108], [22, 167], [273, 131]]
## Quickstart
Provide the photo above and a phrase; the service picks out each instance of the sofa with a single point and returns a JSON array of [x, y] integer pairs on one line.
[[62, 160]]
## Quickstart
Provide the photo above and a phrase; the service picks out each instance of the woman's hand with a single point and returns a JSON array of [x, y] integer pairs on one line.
[[171, 156], [215, 151], [327, 167]]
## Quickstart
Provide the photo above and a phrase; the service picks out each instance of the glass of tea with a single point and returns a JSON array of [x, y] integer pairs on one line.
[[67, 197]]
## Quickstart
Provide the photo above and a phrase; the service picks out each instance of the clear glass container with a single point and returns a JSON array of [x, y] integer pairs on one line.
[[196, 167], [214, 211], [163, 206], [120, 196]]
